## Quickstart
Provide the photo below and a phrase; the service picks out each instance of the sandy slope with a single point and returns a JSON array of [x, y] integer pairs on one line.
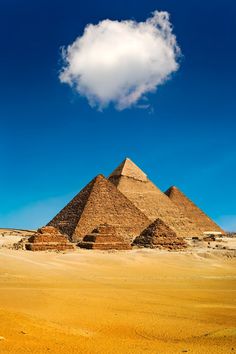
[[126, 302]]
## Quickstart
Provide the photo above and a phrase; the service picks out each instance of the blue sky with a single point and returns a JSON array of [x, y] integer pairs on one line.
[[52, 142]]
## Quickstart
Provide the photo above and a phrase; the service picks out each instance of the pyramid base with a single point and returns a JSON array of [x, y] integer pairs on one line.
[[167, 247], [105, 246], [48, 247]]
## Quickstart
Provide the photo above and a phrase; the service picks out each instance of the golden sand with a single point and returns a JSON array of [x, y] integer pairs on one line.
[[140, 301]]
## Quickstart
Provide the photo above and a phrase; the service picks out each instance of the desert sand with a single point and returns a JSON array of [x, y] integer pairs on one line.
[[139, 301]]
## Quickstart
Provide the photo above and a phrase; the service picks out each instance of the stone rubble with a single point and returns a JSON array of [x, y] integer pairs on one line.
[[159, 235]]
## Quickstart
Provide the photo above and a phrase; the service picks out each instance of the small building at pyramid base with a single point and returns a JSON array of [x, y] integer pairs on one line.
[[104, 237], [48, 238], [159, 235]]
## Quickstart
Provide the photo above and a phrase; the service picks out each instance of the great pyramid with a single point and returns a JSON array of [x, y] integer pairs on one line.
[[149, 199], [105, 237], [159, 235], [99, 202], [203, 222]]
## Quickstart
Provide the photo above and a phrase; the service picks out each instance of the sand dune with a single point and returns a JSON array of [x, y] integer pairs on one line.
[[140, 301]]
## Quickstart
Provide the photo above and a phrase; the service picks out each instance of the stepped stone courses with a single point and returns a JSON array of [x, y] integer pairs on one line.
[[195, 214], [128, 201], [99, 202], [104, 237], [159, 235], [48, 238], [149, 199]]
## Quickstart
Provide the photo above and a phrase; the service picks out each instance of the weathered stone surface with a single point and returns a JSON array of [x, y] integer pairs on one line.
[[99, 202], [195, 214], [128, 200], [48, 247], [129, 169], [105, 237], [151, 200], [48, 238], [159, 235]]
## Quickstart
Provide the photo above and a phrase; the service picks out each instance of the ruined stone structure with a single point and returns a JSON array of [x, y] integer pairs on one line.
[[134, 184], [130, 202], [98, 203], [159, 235], [48, 238], [105, 237], [203, 222]]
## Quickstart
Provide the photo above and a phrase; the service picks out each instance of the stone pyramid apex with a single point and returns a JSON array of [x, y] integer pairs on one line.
[[99, 177], [129, 169], [156, 226], [172, 189]]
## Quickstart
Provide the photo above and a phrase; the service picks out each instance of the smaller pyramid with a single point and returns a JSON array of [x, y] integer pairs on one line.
[[104, 237], [159, 235], [48, 238], [192, 211]]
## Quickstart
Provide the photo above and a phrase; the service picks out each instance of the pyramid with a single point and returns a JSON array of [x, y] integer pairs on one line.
[[128, 169], [159, 235], [99, 202], [204, 223], [149, 199], [48, 238], [104, 237]]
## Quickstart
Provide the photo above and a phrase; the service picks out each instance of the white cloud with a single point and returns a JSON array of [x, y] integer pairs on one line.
[[120, 61]]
